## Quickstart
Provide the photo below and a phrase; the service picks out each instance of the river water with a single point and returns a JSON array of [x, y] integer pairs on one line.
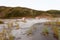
[[20, 34]]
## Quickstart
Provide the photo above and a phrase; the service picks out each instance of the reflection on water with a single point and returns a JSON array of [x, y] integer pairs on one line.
[[17, 29]]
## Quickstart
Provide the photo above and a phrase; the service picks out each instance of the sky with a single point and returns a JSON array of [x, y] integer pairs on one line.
[[33, 4]]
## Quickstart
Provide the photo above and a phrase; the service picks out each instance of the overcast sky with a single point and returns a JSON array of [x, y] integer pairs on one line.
[[34, 4]]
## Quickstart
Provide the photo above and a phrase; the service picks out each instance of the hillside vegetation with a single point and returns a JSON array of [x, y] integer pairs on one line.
[[18, 12]]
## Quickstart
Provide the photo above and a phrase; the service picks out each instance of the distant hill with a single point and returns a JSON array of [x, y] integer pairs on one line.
[[18, 12]]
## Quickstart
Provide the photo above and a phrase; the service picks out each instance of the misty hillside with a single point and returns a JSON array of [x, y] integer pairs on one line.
[[18, 12]]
